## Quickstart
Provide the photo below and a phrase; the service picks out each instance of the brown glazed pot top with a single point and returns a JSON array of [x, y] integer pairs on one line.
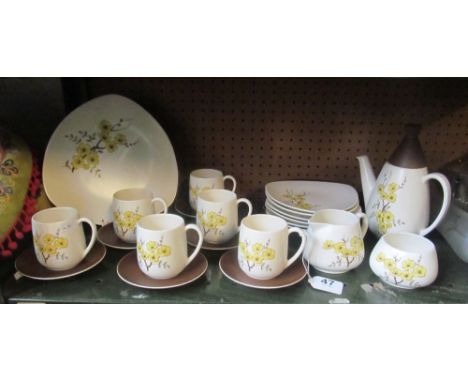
[[409, 153]]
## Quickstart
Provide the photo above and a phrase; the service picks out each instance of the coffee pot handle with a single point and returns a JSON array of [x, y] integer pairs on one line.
[[93, 234], [160, 200], [364, 222], [231, 178], [200, 241], [301, 233], [447, 196]]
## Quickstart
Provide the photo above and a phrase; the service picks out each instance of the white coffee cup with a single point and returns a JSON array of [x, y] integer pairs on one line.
[[59, 239], [162, 245], [217, 215], [263, 246], [129, 206], [206, 179], [335, 240], [405, 260]]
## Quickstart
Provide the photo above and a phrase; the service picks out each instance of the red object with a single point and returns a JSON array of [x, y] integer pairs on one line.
[[22, 226]]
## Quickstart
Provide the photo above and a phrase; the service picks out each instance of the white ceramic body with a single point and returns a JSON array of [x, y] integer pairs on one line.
[[335, 240], [59, 240], [263, 246], [409, 209], [162, 245], [129, 206], [404, 260], [217, 215], [206, 179]]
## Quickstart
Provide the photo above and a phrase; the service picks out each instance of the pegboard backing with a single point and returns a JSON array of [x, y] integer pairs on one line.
[[262, 130]]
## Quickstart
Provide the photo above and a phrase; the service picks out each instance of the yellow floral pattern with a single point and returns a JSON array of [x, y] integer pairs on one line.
[[387, 196], [90, 145], [403, 273], [212, 221], [50, 245], [152, 253], [257, 254], [348, 253], [297, 200], [126, 221], [196, 190]]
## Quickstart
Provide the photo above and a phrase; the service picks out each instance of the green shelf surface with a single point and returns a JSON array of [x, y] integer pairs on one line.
[[102, 285]]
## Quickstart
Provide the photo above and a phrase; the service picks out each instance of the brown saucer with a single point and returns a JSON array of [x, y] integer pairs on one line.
[[107, 236], [129, 272], [290, 276], [192, 239], [183, 207], [27, 264]]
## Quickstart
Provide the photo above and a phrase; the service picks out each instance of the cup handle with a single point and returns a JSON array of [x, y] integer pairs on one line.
[[161, 200], [364, 222], [200, 241], [301, 233], [246, 201], [442, 179], [231, 178], [93, 235]]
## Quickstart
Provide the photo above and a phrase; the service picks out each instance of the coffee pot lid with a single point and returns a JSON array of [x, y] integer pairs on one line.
[[409, 153]]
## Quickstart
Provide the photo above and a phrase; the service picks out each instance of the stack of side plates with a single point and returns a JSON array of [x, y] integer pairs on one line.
[[296, 200]]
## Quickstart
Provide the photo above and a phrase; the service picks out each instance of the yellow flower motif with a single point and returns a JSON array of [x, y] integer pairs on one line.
[[391, 198], [121, 139], [339, 247], [243, 247], [408, 264], [48, 238], [151, 246], [392, 188], [269, 254], [76, 162], [221, 220], [406, 275], [105, 136], [154, 258], [389, 263], [83, 149], [257, 248], [85, 165], [50, 249], [139, 247], [111, 146], [61, 242], [105, 126], [356, 242], [419, 271], [328, 244], [258, 259], [128, 215], [388, 217], [211, 216], [93, 159], [116, 215], [380, 257], [164, 250]]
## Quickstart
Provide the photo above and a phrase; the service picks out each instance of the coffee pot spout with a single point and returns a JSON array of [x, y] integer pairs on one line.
[[367, 177]]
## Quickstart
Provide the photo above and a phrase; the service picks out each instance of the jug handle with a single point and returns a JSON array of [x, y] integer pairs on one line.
[[364, 222], [442, 179]]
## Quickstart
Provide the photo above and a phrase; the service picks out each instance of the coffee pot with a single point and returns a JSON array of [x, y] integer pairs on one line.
[[399, 199]]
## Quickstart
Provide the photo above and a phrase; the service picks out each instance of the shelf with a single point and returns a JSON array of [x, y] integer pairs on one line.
[[102, 285]]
